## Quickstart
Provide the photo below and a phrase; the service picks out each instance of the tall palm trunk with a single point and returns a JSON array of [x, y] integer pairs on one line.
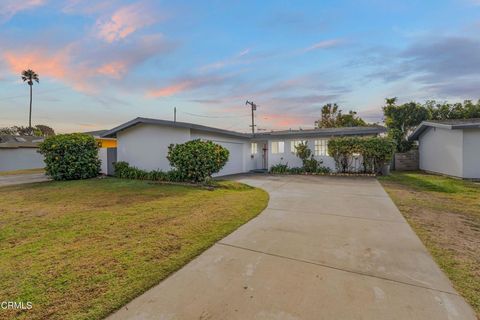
[[30, 115]]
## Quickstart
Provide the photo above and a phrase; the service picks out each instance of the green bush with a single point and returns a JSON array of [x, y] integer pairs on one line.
[[197, 160], [70, 156], [279, 168], [125, 171], [284, 169], [375, 152], [310, 164]]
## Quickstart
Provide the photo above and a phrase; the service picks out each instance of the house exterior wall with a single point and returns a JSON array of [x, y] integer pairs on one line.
[[20, 158], [145, 146], [440, 151], [471, 153], [290, 158]]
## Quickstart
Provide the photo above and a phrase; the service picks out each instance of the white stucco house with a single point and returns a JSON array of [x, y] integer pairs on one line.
[[450, 147], [143, 143], [20, 152]]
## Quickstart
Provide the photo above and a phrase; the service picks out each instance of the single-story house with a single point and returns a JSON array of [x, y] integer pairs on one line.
[[20, 152], [450, 147], [143, 143]]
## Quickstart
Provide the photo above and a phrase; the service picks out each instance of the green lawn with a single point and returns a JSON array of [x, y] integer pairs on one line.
[[81, 249], [24, 171], [445, 213]]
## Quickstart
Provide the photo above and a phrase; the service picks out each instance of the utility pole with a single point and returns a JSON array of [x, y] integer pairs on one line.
[[174, 114], [254, 107]]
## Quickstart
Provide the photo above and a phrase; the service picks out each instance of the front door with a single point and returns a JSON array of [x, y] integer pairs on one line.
[[265, 156]]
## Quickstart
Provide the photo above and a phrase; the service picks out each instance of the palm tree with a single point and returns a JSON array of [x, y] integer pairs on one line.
[[30, 76]]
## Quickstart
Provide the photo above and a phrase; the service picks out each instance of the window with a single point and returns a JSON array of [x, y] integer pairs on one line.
[[253, 149], [295, 143], [321, 147], [278, 147]]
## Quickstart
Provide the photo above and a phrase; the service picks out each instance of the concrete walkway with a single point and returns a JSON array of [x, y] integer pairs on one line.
[[15, 179], [325, 248]]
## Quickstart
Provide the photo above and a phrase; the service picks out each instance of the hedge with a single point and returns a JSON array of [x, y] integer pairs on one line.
[[70, 156], [375, 152], [125, 171]]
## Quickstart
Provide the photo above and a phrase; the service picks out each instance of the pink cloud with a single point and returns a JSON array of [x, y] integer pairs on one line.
[[113, 69], [9, 8], [124, 22], [170, 90]]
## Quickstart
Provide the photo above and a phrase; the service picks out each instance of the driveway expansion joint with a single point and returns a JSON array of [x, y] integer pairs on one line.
[[336, 268]]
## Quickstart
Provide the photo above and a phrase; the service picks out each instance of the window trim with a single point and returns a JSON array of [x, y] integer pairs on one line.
[[293, 143], [321, 149], [253, 148], [278, 144]]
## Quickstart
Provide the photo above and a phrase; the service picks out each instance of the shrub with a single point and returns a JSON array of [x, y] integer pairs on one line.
[[125, 171], [197, 160], [279, 168], [70, 156], [374, 151], [310, 164]]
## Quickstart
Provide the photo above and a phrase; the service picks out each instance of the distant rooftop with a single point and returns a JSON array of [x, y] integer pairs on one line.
[[11, 141], [276, 134], [451, 124]]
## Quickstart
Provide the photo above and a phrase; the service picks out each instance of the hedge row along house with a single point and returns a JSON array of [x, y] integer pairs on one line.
[[143, 143]]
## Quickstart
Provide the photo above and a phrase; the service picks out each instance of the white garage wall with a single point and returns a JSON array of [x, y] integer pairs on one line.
[[20, 158], [440, 150], [145, 146], [471, 153]]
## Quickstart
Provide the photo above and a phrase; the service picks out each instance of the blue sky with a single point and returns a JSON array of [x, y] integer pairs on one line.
[[102, 63]]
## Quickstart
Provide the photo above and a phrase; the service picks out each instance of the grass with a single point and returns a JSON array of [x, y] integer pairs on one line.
[[81, 249], [445, 213], [23, 171]]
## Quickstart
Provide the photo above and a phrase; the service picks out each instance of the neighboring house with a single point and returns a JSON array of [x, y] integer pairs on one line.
[[103, 142], [20, 152], [450, 147], [144, 142]]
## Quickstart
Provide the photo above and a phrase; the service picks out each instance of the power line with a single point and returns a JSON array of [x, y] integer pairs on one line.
[[36, 93], [207, 116]]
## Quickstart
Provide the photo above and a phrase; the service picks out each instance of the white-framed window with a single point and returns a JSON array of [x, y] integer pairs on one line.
[[321, 147], [253, 148], [278, 147], [295, 143]]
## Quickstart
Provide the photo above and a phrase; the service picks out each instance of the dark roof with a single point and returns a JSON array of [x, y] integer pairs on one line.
[[453, 124], [10, 141], [96, 133], [113, 132], [323, 132]]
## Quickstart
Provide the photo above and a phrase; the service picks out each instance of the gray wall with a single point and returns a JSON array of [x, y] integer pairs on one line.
[[471, 153], [441, 151], [146, 146], [20, 158]]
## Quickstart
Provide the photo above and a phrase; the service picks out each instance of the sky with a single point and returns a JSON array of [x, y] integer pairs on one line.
[[102, 63]]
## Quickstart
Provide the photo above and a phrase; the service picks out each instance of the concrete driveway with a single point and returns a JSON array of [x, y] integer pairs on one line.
[[325, 248], [15, 179]]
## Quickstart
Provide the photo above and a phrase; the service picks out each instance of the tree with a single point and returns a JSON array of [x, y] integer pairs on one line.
[[402, 119], [39, 131], [30, 76], [444, 111], [332, 117]]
